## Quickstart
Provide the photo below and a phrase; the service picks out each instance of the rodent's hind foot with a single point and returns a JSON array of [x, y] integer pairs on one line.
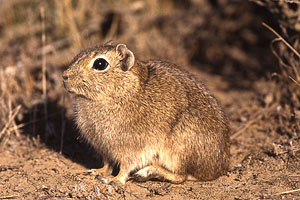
[[144, 174], [158, 172]]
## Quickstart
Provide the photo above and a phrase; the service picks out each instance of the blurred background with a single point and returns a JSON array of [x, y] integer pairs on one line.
[[219, 37]]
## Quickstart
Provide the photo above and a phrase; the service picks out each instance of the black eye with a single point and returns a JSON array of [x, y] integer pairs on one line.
[[100, 64]]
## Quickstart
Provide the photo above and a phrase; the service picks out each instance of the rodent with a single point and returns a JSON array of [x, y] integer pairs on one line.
[[153, 119]]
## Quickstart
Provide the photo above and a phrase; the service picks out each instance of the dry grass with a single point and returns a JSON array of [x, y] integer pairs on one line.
[[11, 78], [288, 91]]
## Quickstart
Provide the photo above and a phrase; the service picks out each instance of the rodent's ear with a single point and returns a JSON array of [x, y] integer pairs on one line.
[[127, 57]]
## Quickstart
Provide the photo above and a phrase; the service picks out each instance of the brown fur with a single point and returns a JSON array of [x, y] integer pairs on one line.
[[151, 117]]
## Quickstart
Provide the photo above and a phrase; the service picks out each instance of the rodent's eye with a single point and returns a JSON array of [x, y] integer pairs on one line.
[[100, 64]]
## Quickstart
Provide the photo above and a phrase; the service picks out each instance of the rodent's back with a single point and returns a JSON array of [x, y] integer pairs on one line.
[[174, 87], [195, 117]]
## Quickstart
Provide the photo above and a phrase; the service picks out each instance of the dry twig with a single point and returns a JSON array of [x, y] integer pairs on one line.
[[12, 117], [282, 39], [294, 81], [9, 197], [287, 192], [44, 81], [63, 125]]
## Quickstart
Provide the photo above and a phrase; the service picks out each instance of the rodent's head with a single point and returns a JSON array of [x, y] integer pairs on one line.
[[102, 72]]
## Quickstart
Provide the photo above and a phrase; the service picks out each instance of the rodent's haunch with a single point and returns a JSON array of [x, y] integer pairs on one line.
[[153, 118]]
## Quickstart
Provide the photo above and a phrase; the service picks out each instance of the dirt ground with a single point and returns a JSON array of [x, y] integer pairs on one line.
[[42, 155]]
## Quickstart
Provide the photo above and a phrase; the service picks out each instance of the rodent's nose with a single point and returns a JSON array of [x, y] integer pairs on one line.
[[65, 77]]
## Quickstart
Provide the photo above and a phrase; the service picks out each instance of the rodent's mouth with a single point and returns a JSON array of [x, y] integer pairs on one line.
[[70, 91], [66, 88], [73, 91]]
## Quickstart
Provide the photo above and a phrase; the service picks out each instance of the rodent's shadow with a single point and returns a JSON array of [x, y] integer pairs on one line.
[[47, 128]]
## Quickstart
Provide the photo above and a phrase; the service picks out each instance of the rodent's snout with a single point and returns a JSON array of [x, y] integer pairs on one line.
[[66, 85], [65, 77]]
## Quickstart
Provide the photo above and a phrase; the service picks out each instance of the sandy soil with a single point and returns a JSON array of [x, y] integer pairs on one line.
[[262, 167]]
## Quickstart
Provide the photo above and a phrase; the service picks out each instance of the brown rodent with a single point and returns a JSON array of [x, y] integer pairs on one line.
[[153, 119]]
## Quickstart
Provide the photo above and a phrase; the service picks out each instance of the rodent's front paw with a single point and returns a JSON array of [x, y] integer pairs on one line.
[[105, 180], [113, 184], [105, 170], [118, 180]]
